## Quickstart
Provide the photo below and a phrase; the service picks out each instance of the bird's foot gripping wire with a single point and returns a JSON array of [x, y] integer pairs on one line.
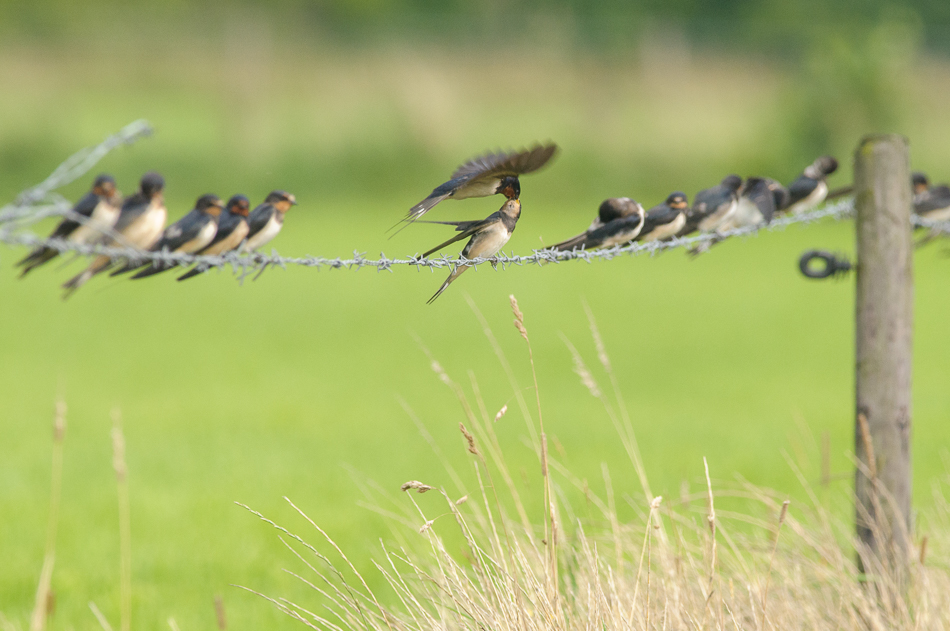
[[831, 265]]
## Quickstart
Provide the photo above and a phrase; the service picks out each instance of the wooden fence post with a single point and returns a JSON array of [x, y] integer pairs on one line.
[[883, 335]]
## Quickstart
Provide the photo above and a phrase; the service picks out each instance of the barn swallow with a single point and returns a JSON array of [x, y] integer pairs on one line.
[[100, 207], [488, 237], [712, 207], [139, 225], [760, 198], [188, 235], [266, 220], [810, 188], [934, 203], [487, 175], [930, 202], [626, 224], [232, 229], [664, 220]]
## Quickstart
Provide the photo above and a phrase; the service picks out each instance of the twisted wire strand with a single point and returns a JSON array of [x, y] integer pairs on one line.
[[40, 202]]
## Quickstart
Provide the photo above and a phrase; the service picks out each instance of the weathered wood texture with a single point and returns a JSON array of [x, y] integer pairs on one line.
[[884, 332]]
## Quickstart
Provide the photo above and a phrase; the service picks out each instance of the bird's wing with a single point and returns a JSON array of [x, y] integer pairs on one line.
[[84, 207], [504, 163], [470, 228], [182, 231], [937, 198], [259, 218], [226, 225], [574, 243], [759, 193], [443, 191], [801, 188], [460, 226]]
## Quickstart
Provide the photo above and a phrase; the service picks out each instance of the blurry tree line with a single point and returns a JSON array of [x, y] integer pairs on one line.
[[779, 27]]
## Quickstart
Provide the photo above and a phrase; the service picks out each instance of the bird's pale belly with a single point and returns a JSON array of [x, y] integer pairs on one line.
[[146, 231], [813, 199], [477, 189], [231, 241], [940, 214], [488, 243], [204, 238], [102, 219], [718, 218], [264, 236], [666, 230], [747, 214], [621, 237]]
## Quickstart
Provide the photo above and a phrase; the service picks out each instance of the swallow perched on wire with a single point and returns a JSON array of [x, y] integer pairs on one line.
[[760, 198], [664, 220], [232, 229], [139, 225], [619, 220], [189, 234], [712, 207], [486, 175], [931, 202], [266, 220], [810, 188], [488, 237], [95, 213]]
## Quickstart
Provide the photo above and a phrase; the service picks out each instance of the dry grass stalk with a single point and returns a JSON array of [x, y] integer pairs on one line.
[[219, 614], [99, 617], [551, 527], [173, 625], [501, 577], [768, 574], [44, 596], [125, 525]]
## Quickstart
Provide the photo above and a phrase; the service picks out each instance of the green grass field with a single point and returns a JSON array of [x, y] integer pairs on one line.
[[286, 385]]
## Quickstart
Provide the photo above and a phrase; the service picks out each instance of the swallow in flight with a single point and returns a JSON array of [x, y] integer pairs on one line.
[[490, 174]]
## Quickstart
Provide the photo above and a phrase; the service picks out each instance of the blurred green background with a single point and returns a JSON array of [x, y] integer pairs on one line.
[[284, 385]]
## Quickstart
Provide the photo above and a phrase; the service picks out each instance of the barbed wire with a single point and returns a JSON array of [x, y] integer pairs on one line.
[[40, 202]]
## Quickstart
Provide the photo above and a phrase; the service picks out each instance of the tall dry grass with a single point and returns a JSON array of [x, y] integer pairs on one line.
[[480, 560]]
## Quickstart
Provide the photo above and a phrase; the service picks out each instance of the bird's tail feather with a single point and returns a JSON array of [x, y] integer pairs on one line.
[[37, 258], [151, 270], [192, 273], [101, 264], [570, 244], [448, 281]]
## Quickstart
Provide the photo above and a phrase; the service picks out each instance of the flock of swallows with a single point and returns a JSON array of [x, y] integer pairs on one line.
[[102, 217]]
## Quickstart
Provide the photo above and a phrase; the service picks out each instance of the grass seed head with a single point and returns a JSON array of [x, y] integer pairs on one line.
[[469, 438], [417, 486]]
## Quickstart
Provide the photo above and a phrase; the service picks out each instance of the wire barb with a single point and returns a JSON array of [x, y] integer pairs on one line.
[[40, 202]]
